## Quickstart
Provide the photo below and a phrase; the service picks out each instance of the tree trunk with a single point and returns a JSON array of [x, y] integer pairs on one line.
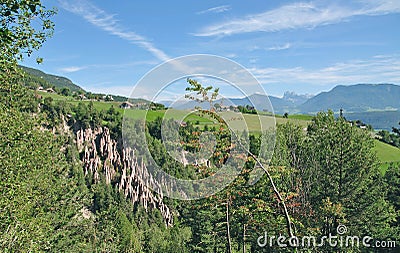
[[228, 232], [244, 237]]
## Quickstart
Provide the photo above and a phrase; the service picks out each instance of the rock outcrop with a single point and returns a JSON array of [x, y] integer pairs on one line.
[[101, 155]]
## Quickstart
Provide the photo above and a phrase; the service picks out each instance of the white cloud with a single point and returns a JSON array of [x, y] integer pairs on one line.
[[117, 66], [381, 69], [218, 9], [280, 47], [110, 24], [299, 15], [379, 7], [71, 69]]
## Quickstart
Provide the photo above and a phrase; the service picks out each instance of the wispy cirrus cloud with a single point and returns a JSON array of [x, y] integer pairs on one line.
[[378, 69], [218, 9], [71, 69], [300, 15], [117, 66], [110, 24], [280, 47]]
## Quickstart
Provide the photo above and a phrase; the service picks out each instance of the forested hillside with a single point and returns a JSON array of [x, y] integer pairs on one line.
[[36, 78]]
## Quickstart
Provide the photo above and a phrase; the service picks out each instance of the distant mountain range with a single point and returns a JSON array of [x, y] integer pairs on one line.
[[287, 103], [352, 99], [355, 98]]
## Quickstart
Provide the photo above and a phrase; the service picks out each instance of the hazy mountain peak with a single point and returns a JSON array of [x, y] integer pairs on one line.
[[295, 98]]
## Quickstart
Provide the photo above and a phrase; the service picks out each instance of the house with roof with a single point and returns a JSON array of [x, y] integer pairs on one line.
[[126, 105]]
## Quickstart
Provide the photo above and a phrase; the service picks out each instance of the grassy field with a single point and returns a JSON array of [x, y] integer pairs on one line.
[[237, 121], [387, 154], [100, 105], [54, 96], [301, 117], [151, 115], [251, 122]]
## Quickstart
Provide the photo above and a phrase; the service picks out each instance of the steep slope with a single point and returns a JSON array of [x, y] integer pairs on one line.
[[355, 98], [101, 158], [44, 79]]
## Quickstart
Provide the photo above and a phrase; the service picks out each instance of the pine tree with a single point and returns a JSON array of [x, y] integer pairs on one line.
[[347, 187]]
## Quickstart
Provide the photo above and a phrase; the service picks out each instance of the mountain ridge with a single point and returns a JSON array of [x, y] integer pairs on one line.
[[44, 79], [355, 98]]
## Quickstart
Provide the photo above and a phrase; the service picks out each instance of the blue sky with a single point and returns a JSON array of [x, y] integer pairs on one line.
[[301, 46]]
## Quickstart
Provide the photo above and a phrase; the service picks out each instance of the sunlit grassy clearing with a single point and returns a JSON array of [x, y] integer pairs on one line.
[[387, 154]]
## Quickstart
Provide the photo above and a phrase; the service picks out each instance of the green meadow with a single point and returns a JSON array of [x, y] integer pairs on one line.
[[386, 154]]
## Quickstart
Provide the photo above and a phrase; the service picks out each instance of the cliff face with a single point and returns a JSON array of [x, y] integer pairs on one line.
[[101, 156]]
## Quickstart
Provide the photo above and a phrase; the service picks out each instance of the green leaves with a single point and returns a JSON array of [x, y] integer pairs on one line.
[[203, 93], [18, 34], [39, 194]]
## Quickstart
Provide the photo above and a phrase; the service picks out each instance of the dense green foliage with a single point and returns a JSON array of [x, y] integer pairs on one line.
[[247, 109], [18, 32], [41, 192]]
